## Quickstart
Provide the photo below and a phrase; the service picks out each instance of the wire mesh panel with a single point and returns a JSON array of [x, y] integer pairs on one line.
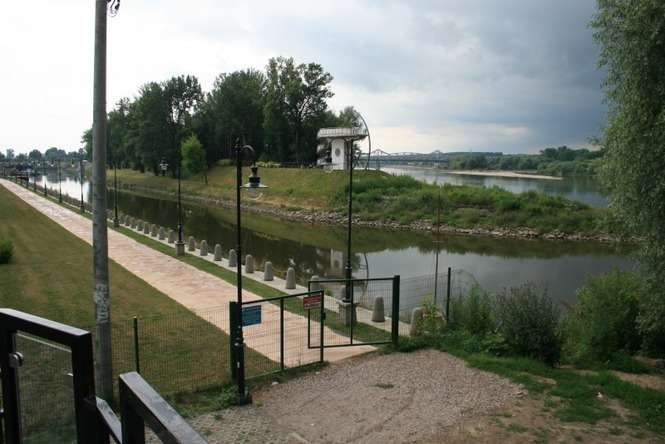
[[280, 333], [175, 353], [357, 311], [46, 392]]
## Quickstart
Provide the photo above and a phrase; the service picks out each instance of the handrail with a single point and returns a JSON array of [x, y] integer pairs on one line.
[[140, 403], [95, 420]]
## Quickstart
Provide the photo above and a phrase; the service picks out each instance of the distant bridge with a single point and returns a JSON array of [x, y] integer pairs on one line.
[[380, 156]]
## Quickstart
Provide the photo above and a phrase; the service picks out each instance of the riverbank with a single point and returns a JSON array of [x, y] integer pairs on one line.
[[387, 202], [515, 174]]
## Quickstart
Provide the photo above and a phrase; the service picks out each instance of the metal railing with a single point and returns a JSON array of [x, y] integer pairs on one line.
[[95, 421]]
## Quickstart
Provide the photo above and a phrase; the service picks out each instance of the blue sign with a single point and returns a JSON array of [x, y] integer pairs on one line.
[[251, 315]]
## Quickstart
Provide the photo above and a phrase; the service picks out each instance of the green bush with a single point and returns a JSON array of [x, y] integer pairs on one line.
[[528, 319], [603, 321], [6, 251], [473, 313]]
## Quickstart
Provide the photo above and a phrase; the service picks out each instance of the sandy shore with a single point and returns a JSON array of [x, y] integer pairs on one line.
[[502, 174]]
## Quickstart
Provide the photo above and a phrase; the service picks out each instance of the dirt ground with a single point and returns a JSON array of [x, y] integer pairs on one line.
[[422, 397], [397, 398]]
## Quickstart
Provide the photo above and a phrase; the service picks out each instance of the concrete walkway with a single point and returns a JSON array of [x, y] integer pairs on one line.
[[195, 289]]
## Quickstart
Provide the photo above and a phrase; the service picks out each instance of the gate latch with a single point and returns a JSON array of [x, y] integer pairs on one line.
[[15, 360]]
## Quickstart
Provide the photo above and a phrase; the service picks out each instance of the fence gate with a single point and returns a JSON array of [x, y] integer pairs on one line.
[[351, 312]]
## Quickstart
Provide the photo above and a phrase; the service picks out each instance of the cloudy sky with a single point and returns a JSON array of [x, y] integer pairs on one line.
[[481, 75]]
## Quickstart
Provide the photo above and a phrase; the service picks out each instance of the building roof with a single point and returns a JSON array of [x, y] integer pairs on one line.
[[342, 133]]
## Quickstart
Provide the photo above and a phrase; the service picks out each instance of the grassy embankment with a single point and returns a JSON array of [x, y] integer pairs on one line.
[[564, 398], [49, 276], [382, 197]]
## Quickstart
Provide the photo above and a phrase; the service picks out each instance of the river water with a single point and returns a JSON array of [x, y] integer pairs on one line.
[[581, 188], [493, 263]]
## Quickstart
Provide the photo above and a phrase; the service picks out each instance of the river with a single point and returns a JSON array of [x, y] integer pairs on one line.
[[492, 263], [581, 188]]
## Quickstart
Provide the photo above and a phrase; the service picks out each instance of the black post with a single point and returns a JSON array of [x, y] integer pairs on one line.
[[44, 174], [322, 318], [233, 322], [59, 184], [281, 334], [137, 360], [448, 297], [116, 221], [349, 271], [82, 175], [243, 396], [10, 394], [394, 328], [180, 244]]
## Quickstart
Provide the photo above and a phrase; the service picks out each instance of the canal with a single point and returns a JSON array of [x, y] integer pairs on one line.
[[492, 263]]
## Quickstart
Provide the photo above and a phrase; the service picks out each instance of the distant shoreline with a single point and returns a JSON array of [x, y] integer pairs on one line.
[[502, 174]]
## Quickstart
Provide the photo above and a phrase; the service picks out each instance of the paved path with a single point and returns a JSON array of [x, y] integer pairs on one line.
[[196, 289]]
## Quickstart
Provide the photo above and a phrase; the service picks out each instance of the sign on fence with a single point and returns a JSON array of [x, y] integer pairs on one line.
[[312, 301], [251, 315]]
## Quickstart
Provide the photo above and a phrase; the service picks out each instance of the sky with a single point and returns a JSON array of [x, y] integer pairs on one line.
[[475, 75]]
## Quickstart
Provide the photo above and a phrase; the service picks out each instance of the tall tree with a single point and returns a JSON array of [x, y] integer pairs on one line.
[[631, 34], [233, 109], [183, 94], [35, 155], [295, 101], [193, 157]]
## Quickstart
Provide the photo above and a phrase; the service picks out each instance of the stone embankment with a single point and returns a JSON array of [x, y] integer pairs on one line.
[[333, 218]]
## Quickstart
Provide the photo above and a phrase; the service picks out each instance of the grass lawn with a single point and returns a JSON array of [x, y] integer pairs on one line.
[[379, 196], [50, 276]]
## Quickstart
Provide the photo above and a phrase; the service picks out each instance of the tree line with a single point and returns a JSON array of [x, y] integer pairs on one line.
[[278, 111]]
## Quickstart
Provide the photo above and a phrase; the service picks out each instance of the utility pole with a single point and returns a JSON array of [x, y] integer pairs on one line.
[[101, 294]]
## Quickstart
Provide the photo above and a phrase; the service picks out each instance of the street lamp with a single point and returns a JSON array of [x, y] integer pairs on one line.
[[254, 184], [82, 176], [44, 175], [116, 221], [59, 184], [180, 243]]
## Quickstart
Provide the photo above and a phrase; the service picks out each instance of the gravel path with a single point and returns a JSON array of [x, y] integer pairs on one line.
[[396, 398]]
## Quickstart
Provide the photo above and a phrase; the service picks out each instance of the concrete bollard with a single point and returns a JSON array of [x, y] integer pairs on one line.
[[314, 285], [203, 248], [153, 230], [146, 228], [218, 252], [416, 318], [132, 222], [233, 258], [378, 313], [268, 274], [171, 236], [290, 278], [191, 244], [162, 233], [128, 220], [249, 264]]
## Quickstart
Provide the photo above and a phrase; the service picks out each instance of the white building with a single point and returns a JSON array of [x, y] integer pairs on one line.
[[334, 146]]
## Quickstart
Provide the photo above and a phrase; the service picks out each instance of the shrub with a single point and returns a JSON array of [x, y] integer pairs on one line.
[[431, 323], [6, 251], [528, 319], [473, 313], [603, 321]]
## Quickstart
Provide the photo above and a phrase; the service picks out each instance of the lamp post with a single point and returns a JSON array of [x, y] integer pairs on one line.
[[82, 176], [116, 221], [253, 184], [44, 175], [59, 184], [348, 269]]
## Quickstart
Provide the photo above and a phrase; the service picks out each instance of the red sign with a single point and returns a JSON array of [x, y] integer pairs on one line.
[[312, 301]]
